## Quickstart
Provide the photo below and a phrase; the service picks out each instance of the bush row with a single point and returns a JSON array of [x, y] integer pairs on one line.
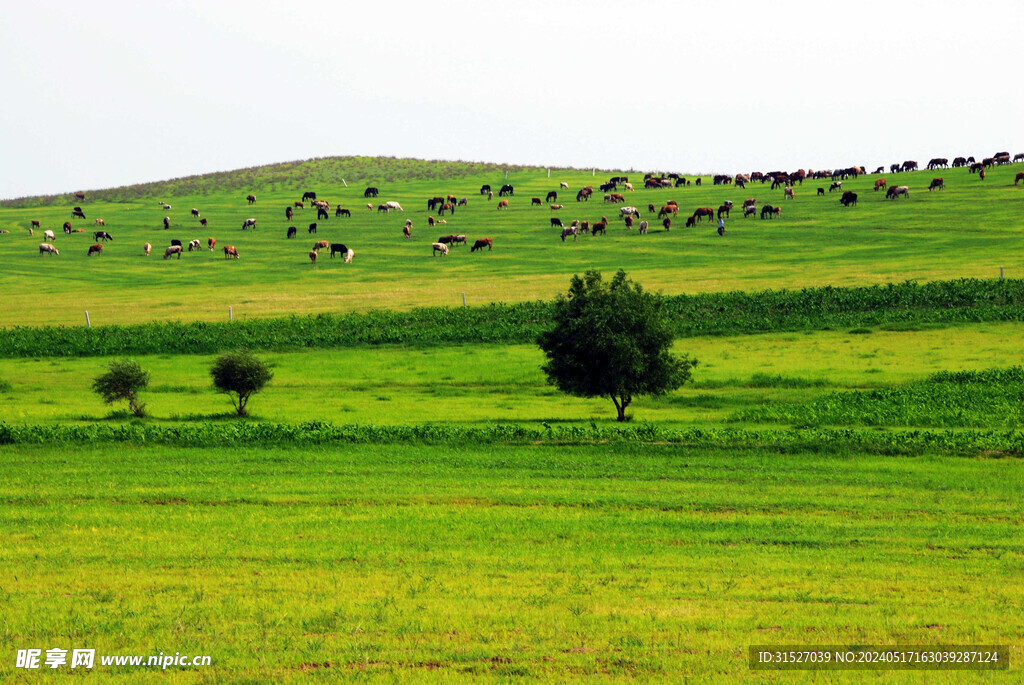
[[217, 434], [901, 305]]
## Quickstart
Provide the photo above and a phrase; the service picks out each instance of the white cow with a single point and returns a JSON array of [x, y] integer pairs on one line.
[[48, 249], [439, 247], [48, 235], [629, 211], [394, 205]]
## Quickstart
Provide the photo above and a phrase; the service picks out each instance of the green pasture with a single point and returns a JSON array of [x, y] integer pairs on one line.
[[601, 563], [969, 229], [482, 384]]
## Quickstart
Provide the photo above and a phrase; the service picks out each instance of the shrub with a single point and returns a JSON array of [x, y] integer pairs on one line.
[[122, 381]]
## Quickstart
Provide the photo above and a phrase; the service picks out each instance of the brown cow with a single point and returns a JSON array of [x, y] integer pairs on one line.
[[535, 201], [1017, 179], [202, 222], [230, 251], [35, 224], [503, 204], [879, 183], [211, 243], [95, 249], [79, 196], [250, 198], [312, 256], [321, 244], [937, 183], [99, 222], [479, 245], [704, 212], [668, 209]]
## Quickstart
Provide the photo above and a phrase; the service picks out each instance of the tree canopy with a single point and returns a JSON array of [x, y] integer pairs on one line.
[[240, 375], [611, 339], [122, 381]]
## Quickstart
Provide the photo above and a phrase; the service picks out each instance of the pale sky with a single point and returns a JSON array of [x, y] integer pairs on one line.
[[100, 94]]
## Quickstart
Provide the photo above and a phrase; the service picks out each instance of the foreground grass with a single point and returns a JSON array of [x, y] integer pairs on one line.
[[479, 384], [574, 564]]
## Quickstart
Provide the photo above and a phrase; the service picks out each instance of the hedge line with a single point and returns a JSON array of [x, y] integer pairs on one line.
[[212, 434], [906, 304]]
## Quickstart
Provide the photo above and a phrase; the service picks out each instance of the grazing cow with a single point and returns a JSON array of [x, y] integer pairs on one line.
[[167, 222], [555, 221], [629, 221], [35, 224], [599, 227], [704, 212], [937, 183], [584, 194], [342, 212], [292, 231], [195, 212], [1019, 157], [749, 210], [503, 204], [909, 165], [788, 193], [250, 198], [211, 243], [80, 196], [643, 227], [312, 228], [383, 208], [147, 248], [584, 228], [879, 183], [430, 221], [229, 251], [724, 209], [1018, 178], [194, 245], [308, 195], [959, 162], [566, 232], [202, 222], [299, 205], [563, 184], [99, 222], [394, 205], [164, 206], [288, 213], [552, 196], [320, 244], [176, 243], [849, 198], [838, 185], [767, 212], [481, 243], [555, 208], [48, 235], [463, 202], [321, 214], [506, 190], [349, 255], [77, 213], [370, 192], [821, 192], [101, 235], [95, 249], [628, 186], [668, 209], [938, 162], [749, 202], [895, 191], [535, 201], [249, 223], [485, 188], [338, 248], [439, 247], [629, 211], [47, 248], [172, 250], [666, 223], [312, 256], [447, 207], [981, 174], [407, 231]]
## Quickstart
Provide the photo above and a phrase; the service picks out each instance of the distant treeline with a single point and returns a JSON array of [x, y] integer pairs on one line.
[[894, 306], [251, 433], [310, 174]]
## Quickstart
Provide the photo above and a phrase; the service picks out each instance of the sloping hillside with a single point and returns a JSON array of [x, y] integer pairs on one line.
[[285, 175]]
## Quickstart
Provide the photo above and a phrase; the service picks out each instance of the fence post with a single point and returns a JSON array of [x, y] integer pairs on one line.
[[88, 324], [1000, 273], [230, 313], [463, 299]]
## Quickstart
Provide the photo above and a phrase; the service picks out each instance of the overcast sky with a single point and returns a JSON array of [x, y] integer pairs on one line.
[[99, 94]]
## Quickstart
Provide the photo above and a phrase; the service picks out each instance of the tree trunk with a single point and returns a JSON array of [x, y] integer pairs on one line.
[[620, 406]]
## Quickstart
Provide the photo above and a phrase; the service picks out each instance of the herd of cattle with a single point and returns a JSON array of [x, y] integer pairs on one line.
[[630, 215]]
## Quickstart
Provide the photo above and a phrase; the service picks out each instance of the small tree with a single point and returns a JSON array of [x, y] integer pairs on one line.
[[240, 375], [123, 381], [611, 340]]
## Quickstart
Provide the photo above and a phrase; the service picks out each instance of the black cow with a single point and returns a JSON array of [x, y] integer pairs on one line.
[[485, 188], [308, 195], [849, 198], [370, 192], [291, 232], [338, 248], [506, 190], [552, 197], [312, 228]]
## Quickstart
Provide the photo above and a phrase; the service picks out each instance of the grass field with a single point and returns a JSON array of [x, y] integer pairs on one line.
[[855, 479], [969, 229]]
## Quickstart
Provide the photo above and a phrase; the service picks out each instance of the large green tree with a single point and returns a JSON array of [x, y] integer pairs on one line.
[[240, 375], [612, 339]]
